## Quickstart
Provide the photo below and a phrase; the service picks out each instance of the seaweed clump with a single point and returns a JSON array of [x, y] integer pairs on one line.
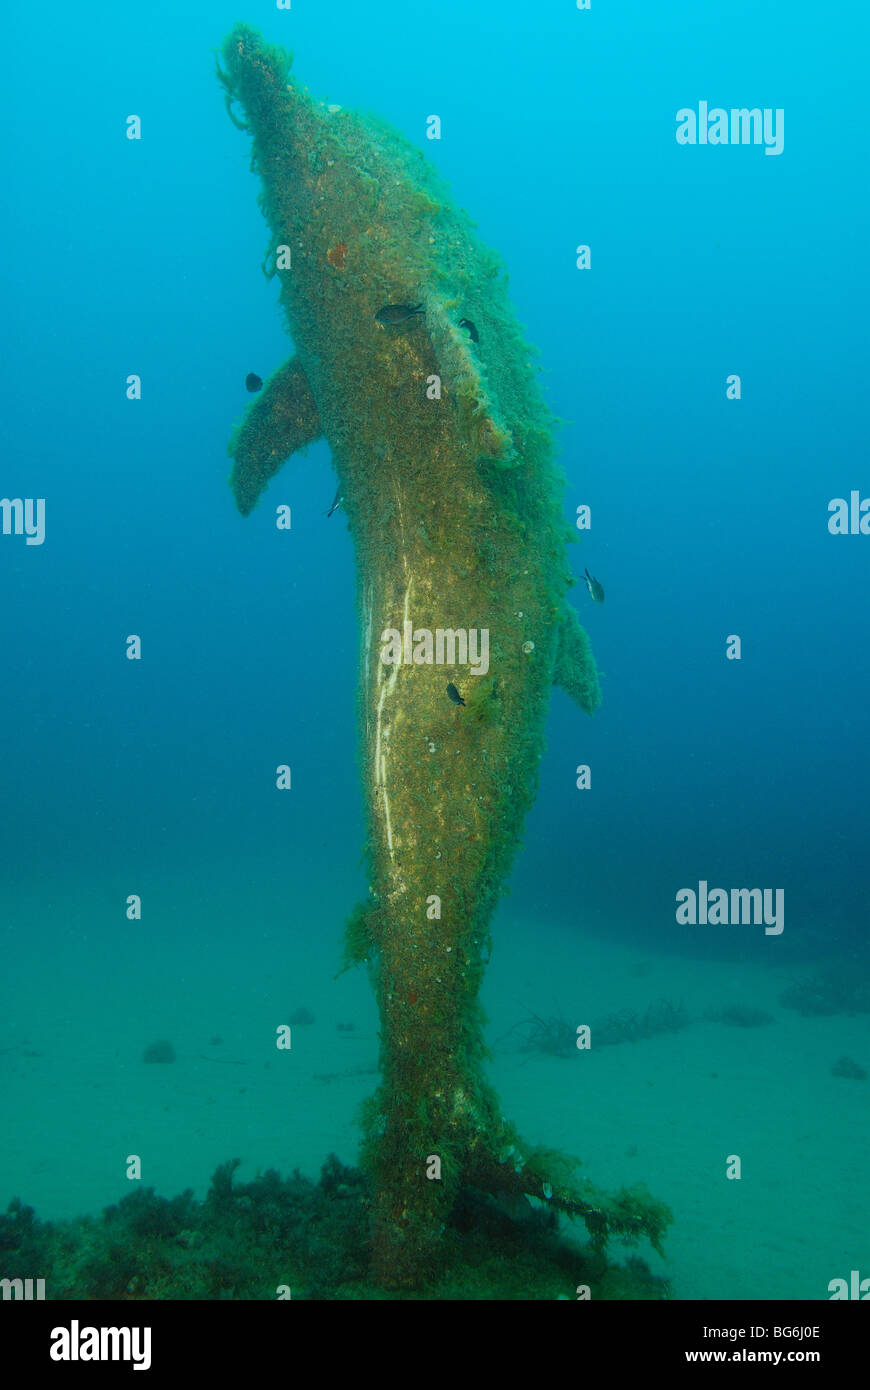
[[840, 989], [273, 1237], [664, 1016], [849, 1069], [739, 1016], [557, 1037], [553, 1035], [244, 1241]]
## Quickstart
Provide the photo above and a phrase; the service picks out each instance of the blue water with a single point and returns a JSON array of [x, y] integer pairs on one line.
[[709, 518]]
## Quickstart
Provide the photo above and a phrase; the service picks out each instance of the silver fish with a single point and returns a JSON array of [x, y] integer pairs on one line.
[[596, 593]]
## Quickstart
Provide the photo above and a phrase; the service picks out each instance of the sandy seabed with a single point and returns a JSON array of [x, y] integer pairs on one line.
[[668, 1111]]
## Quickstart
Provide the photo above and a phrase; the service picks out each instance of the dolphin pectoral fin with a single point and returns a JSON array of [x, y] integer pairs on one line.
[[575, 671], [512, 1168], [282, 419], [465, 383]]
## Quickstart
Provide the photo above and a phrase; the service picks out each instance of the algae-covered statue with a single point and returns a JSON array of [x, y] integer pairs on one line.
[[408, 361]]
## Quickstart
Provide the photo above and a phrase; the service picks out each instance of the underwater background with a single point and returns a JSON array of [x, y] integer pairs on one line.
[[709, 518]]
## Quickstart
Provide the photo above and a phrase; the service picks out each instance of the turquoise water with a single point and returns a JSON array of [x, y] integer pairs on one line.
[[709, 519]]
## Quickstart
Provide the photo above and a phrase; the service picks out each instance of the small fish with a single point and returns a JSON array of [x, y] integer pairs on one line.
[[336, 502], [596, 593], [253, 382], [397, 313], [470, 330], [455, 695]]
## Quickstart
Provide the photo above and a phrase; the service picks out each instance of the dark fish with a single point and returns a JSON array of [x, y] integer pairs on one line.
[[470, 330], [253, 382], [397, 313], [455, 695], [336, 502], [596, 593]]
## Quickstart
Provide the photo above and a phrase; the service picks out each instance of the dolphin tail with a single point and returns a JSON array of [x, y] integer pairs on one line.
[[575, 670], [280, 421]]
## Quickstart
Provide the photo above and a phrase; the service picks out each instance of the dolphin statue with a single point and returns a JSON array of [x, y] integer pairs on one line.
[[444, 453]]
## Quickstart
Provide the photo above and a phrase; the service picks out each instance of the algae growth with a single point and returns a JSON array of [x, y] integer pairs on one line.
[[290, 1238], [445, 459]]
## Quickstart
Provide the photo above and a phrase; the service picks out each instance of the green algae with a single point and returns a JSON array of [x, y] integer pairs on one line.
[[360, 936], [444, 451], [282, 421], [277, 1237]]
